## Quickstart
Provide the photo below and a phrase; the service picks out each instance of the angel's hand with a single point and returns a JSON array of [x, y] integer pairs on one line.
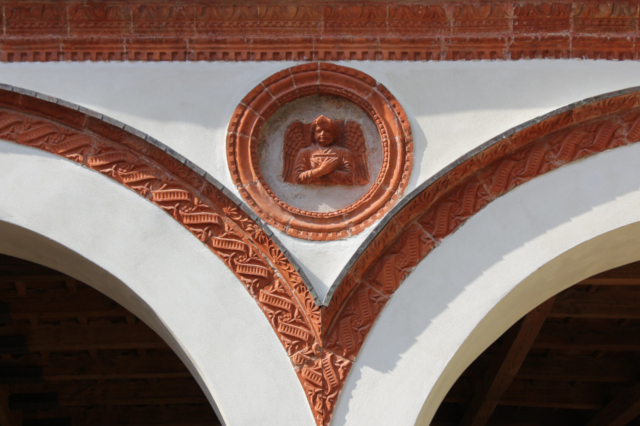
[[328, 165]]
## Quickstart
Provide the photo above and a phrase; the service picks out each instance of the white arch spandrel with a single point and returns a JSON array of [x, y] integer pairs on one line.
[[521, 249], [62, 215], [452, 106]]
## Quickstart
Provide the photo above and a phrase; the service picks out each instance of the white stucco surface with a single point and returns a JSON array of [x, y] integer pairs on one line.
[[59, 214], [521, 249], [453, 107]]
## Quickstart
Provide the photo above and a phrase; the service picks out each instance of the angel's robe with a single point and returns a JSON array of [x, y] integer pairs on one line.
[[311, 157]]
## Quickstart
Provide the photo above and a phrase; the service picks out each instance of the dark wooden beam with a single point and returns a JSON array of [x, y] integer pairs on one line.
[[517, 342], [155, 365], [33, 401], [108, 365], [56, 421], [73, 337], [60, 303], [624, 408], [8, 417], [527, 416], [552, 394], [592, 336], [71, 356], [579, 368], [14, 268], [604, 303], [542, 394], [34, 277], [610, 281], [192, 415], [116, 392]]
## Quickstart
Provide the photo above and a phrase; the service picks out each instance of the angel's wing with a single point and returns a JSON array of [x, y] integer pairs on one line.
[[354, 142], [294, 141]]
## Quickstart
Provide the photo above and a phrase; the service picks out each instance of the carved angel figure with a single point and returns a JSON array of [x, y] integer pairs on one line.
[[325, 152]]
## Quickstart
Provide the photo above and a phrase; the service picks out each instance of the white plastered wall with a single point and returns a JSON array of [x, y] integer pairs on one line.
[[59, 214], [521, 249], [453, 107]]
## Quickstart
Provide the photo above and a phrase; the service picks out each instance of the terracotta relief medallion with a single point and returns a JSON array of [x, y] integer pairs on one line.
[[320, 151], [326, 152]]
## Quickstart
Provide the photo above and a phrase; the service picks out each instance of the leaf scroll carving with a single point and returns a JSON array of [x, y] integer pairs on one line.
[[323, 342]]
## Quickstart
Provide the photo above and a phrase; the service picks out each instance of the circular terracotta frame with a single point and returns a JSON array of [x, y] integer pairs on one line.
[[320, 79]]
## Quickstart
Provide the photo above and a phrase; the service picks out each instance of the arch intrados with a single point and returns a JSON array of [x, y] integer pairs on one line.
[[442, 302], [408, 228], [167, 267], [599, 254], [26, 244], [445, 202], [500, 146], [188, 194], [439, 208]]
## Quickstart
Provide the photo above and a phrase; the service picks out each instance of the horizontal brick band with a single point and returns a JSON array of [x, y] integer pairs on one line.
[[313, 31]]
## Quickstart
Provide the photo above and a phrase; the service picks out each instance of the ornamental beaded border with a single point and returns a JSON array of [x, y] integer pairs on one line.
[[320, 79]]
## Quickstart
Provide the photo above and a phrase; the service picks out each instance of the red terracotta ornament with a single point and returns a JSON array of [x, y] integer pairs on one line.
[[444, 206], [201, 207], [195, 30], [320, 79], [326, 152], [322, 343]]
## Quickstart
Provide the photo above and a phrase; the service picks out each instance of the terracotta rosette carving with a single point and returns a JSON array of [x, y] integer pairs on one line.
[[320, 79]]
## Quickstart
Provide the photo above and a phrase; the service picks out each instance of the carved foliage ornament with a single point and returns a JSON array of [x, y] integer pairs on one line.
[[327, 151], [437, 211], [199, 205], [322, 343]]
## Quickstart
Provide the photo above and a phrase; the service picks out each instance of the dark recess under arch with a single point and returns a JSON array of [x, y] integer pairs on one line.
[[574, 360], [71, 356]]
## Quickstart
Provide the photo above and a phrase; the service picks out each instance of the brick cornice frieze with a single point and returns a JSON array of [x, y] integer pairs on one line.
[[197, 30]]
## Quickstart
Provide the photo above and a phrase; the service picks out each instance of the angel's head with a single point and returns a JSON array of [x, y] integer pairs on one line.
[[322, 131]]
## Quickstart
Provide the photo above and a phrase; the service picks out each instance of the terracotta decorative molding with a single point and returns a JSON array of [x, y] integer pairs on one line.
[[322, 342], [182, 190], [320, 79], [196, 30], [446, 203], [325, 152]]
